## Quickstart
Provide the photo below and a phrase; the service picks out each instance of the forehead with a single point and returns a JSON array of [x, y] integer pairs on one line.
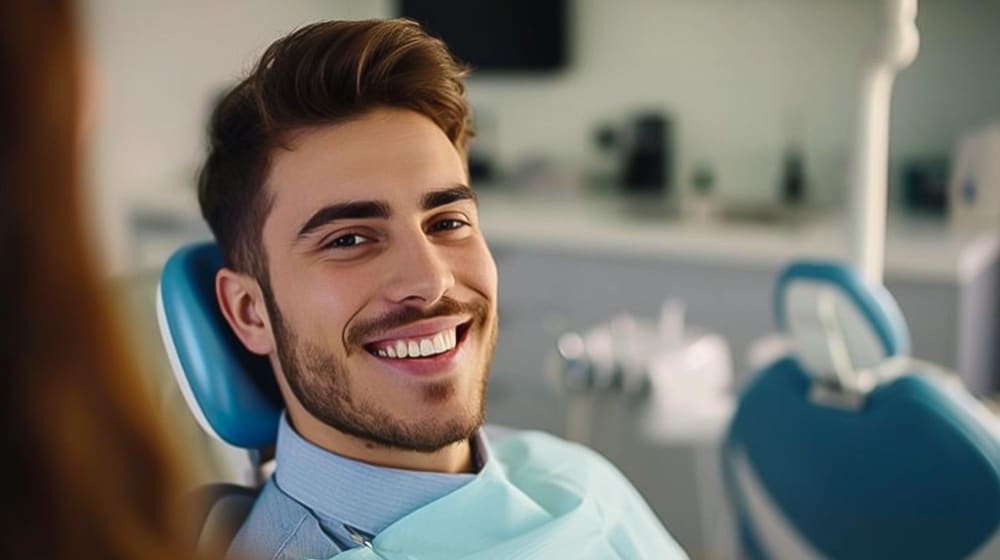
[[389, 154]]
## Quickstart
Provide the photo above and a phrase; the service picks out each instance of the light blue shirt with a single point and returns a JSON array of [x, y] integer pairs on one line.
[[341, 491]]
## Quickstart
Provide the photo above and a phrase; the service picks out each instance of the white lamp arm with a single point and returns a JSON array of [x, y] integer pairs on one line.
[[869, 183]]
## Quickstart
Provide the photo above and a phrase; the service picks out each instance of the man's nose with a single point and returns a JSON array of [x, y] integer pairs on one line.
[[420, 274]]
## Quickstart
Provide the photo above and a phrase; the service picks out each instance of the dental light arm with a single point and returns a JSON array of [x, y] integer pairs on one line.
[[895, 51]]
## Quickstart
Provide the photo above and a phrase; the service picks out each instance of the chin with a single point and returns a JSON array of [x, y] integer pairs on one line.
[[451, 409]]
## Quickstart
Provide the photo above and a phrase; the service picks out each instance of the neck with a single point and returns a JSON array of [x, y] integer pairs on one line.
[[454, 458]]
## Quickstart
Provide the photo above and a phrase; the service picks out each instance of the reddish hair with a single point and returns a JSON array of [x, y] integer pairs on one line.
[[88, 473]]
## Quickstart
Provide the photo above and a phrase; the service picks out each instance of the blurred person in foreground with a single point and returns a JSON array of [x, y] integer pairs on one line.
[[337, 188], [87, 469]]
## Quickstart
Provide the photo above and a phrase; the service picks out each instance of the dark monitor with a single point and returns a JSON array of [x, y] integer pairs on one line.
[[497, 35]]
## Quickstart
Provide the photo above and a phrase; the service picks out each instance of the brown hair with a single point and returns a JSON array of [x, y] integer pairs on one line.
[[87, 472], [322, 74]]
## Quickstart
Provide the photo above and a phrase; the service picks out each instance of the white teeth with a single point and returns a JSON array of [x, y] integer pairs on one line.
[[437, 344]]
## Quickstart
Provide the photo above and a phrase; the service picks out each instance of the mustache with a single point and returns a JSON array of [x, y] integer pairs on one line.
[[446, 306]]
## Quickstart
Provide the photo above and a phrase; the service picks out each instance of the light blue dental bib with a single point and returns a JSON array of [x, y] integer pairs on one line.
[[537, 497]]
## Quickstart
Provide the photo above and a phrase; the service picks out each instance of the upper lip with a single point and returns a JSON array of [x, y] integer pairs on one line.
[[419, 329]]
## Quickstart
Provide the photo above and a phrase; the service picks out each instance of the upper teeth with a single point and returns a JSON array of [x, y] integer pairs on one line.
[[418, 347]]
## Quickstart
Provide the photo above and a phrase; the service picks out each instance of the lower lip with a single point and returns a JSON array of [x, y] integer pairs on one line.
[[437, 364]]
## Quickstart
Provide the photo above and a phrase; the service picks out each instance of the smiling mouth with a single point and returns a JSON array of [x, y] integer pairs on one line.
[[414, 348]]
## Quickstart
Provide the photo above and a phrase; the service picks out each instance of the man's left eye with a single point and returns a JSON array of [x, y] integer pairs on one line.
[[448, 224]]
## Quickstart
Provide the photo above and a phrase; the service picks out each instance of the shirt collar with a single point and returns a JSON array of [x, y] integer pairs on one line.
[[340, 490]]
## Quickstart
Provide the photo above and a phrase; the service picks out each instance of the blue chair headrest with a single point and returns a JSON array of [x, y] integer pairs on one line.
[[913, 473], [231, 391], [837, 320]]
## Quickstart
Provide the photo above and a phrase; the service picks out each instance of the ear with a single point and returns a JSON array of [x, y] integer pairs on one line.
[[242, 304]]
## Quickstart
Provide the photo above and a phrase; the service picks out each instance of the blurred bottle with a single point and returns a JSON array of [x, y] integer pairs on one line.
[[793, 177], [701, 206]]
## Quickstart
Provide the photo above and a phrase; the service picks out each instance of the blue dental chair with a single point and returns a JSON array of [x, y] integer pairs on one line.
[[847, 448], [230, 391]]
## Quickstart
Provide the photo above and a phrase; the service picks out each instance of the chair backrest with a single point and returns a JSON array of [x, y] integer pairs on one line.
[[847, 449], [231, 391]]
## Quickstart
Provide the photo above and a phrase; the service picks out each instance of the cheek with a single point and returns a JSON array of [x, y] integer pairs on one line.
[[479, 271], [323, 303]]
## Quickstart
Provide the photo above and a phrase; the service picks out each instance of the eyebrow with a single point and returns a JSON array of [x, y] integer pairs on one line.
[[362, 209], [456, 193], [346, 211]]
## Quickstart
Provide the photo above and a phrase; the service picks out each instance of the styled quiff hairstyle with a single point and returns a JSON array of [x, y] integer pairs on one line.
[[322, 74]]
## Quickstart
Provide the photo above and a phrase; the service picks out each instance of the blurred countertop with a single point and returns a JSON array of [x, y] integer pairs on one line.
[[920, 248], [923, 249]]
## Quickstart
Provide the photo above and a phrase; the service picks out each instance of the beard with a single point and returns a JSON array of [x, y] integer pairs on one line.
[[319, 379]]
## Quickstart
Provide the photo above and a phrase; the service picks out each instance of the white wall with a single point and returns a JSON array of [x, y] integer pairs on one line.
[[955, 82], [742, 77], [739, 76]]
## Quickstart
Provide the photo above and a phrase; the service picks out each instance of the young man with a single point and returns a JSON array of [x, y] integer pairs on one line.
[[336, 186]]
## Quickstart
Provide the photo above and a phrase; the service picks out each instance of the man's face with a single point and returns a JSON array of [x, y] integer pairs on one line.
[[382, 296]]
